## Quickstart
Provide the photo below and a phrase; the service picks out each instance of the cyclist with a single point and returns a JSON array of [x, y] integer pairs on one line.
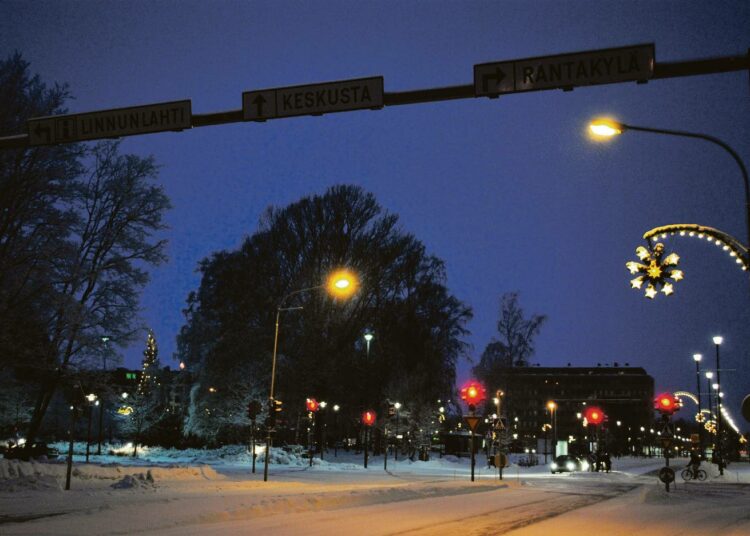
[[694, 463]]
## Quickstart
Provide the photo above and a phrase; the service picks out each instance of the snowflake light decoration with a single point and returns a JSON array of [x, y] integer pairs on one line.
[[654, 270]]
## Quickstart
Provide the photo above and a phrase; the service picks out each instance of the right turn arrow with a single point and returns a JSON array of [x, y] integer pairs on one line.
[[498, 76]]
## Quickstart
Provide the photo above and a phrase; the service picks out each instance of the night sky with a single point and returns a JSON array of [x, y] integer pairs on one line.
[[509, 192]]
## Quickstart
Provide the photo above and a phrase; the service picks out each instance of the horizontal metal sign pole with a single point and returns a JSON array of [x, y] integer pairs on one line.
[[660, 71]]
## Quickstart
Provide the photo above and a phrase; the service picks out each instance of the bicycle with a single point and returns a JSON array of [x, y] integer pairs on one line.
[[690, 474]]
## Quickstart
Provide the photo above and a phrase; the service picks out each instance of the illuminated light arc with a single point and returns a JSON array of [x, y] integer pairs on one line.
[[691, 396], [726, 242]]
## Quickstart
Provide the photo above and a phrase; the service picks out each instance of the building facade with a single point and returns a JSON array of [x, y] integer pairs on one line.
[[550, 403]]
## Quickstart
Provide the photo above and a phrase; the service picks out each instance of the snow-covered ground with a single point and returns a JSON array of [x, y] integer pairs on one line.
[[213, 492]]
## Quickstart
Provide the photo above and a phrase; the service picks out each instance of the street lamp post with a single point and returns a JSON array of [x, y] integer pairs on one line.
[[105, 340], [720, 460], [91, 397], [697, 358], [710, 375], [341, 283], [552, 406], [397, 406], [609, 128], [336, 408]]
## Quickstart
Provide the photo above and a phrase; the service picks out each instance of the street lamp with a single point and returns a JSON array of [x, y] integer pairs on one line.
[[368, 336], [697, 358], [552, 406], [397, 406], [340, 284], [607, 128], [717, 342], [92, 400]]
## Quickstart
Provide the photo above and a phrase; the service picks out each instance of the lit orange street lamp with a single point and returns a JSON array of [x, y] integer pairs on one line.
[[341, 283]]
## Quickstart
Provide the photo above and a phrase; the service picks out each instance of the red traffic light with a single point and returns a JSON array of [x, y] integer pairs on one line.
[[473, 392], [312, 404], [368, 417], [666, 403], [594, 415]]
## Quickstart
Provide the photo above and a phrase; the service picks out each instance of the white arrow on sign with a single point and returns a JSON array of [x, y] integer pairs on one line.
[[313, 99]]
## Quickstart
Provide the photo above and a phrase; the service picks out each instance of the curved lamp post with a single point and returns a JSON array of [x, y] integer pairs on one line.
[[340, 284], [607, 128]]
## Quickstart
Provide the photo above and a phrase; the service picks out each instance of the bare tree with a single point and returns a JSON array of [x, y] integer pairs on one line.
[[515, 343]]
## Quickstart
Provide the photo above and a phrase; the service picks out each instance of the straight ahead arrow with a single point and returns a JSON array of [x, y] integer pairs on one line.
[[498, 76], [259, 101]]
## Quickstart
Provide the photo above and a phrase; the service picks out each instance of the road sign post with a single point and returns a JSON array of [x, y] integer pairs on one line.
[[113, 123], [565, 71], [313, 99]]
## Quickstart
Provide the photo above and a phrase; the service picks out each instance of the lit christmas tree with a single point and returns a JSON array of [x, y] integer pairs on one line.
[[147, 402], [150, 366]]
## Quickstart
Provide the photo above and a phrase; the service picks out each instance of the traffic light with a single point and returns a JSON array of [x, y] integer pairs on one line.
[[274, 407], [368, 417], [472, 393], [666, 403], [253, 408], [594, 415]]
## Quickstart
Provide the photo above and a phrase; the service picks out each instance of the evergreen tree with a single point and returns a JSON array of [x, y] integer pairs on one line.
[[147, 403]]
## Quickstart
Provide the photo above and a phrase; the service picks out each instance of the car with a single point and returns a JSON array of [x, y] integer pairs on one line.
[[568, 463], [34, 451]]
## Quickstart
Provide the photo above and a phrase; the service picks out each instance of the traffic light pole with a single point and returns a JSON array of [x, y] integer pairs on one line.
[[471, 444]]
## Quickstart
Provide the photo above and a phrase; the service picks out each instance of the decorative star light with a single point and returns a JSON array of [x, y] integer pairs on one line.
[[654, 270]]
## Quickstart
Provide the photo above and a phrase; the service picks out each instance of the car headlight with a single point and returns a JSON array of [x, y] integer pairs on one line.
[[553, 465], [570, 466], [585, 465]]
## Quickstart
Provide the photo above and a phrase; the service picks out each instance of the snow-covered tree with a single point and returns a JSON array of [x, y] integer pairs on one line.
[[147, 403]]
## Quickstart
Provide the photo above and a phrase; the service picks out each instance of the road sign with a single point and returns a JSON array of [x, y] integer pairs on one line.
[[313, 99], [605, 66], [472, 422], [666, 475], [110, 123]]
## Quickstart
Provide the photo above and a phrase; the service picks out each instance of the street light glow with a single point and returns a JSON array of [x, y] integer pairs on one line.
[[709, 374], [718, 340], [342, 284], [697, 357], [605, 128]]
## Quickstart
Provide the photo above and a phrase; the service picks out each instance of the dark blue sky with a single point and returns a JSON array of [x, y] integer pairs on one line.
[[509, 192]]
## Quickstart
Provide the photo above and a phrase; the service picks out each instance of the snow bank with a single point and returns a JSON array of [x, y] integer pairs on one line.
[[19, 475], [139, 481]]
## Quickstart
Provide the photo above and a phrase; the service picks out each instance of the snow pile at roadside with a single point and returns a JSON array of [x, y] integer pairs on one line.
[[20, 475], [139, 481]]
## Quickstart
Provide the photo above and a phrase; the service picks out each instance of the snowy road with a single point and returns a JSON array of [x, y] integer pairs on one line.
[[433, 498]]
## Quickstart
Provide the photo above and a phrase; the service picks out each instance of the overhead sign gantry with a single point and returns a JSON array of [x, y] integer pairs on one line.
[[635, 63]]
